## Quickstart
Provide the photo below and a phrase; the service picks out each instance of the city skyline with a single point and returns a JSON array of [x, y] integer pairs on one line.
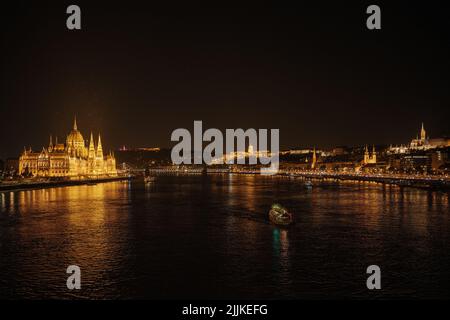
[[78, 158], [54, 137]]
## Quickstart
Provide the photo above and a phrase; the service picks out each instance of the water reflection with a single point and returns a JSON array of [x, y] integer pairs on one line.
[[64, 226], [2, 202], [212, 234], [281, 248]]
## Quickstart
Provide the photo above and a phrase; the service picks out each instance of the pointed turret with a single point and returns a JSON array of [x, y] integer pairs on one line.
[[91, 153], [50, 144], [374, 155], [366, 155], [99, 147], [75, 123], [314, 159], [423, 133]]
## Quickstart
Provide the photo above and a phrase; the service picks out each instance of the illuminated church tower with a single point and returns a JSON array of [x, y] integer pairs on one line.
[[366, 155], [314, 159], [369, 158], [374, 155], [423, 135], [421, 142]]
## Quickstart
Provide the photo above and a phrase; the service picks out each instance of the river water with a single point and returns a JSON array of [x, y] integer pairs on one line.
[[209, 237]]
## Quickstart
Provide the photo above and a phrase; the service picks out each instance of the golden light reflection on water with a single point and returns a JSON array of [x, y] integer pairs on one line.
[[281, 254], [93, 225], [371, 203], [76, 225], [243, 190], [2, 202]]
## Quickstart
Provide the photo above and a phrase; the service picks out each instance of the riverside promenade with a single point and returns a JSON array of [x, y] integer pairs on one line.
[[423, 181], [403, 180], [26, 184]]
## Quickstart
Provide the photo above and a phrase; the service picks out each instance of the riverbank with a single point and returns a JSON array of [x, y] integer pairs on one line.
[[27, 185], [403, 180], [423, 182]]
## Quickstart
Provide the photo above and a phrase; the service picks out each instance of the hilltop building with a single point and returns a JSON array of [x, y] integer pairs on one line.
[[421, 142]]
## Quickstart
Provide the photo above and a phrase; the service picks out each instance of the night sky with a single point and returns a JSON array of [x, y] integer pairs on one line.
[[137, 71]]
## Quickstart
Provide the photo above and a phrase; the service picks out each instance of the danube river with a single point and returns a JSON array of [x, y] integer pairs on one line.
[[209, 237]]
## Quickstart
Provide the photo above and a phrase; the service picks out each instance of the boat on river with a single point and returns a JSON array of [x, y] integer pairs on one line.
[[280, 216]]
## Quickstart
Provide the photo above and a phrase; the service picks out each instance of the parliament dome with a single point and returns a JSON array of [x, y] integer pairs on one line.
[[75, 138]]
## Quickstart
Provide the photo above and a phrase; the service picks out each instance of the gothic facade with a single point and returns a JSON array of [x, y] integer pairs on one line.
[[422, 142], [70, 159]]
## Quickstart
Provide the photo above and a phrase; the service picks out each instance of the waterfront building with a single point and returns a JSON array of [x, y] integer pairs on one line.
[[418, 162], [70, 159], [439, 161], [369, 158]]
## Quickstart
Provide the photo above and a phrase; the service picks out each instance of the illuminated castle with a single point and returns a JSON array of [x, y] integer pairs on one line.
[[72, 159]]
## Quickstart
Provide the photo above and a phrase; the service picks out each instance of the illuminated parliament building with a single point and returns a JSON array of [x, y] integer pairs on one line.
[[70, 159]]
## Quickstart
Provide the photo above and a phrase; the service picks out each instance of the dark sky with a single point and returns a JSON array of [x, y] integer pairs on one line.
[[137, 71]]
